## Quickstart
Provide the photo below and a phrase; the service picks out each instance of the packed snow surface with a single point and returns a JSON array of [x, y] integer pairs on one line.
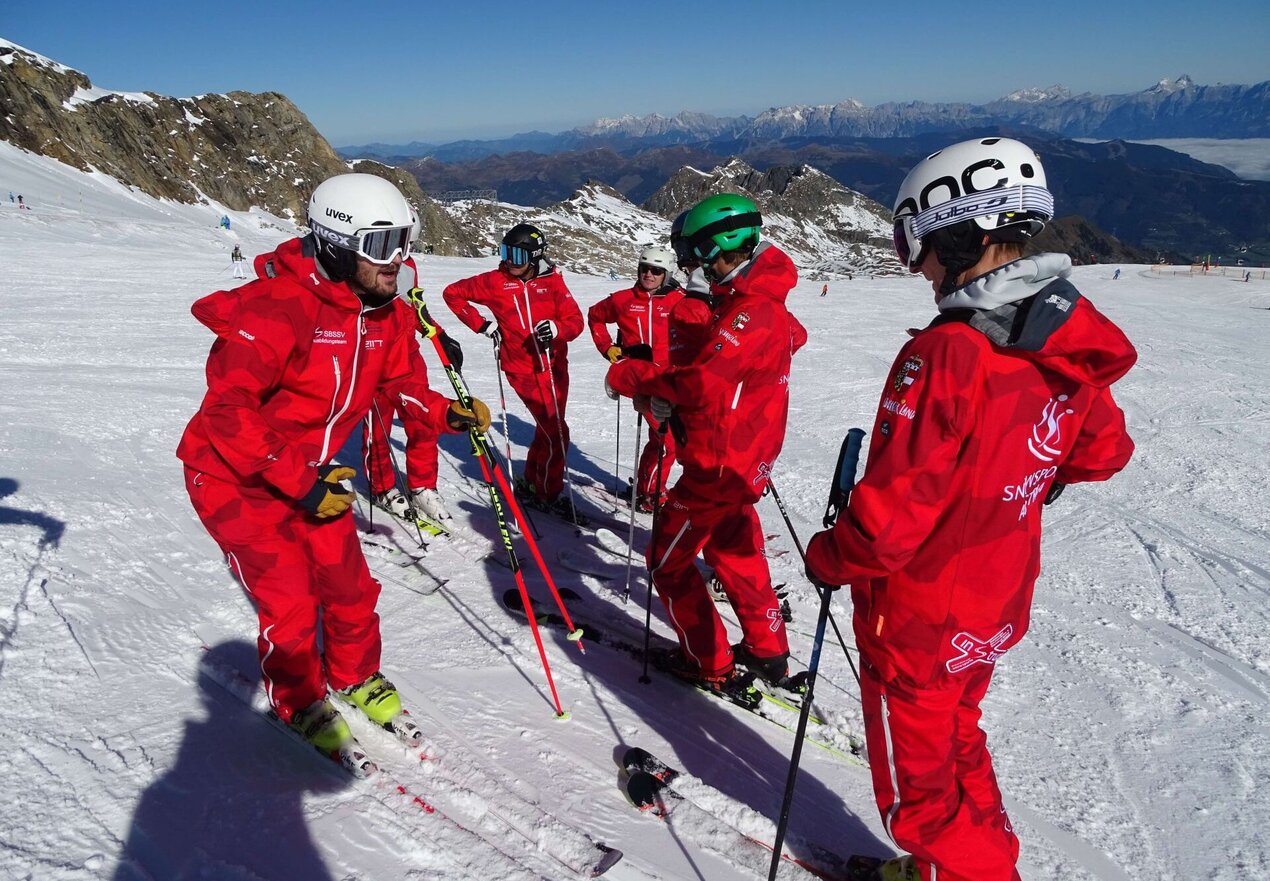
[[1129, 727]]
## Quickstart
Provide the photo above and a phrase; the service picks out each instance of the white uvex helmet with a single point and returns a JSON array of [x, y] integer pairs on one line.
[[363, 215]]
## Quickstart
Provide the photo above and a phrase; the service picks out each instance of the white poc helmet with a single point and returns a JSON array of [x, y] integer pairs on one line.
[[996, 184], [363, 215], [662, 258]]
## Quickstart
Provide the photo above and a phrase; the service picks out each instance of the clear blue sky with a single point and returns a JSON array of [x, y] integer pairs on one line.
[[437, 71]]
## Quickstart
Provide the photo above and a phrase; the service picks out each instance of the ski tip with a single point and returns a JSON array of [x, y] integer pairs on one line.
[[609, 857]]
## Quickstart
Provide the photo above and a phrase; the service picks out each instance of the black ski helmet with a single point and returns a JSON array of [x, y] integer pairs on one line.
[[684, 257], [528, 240]]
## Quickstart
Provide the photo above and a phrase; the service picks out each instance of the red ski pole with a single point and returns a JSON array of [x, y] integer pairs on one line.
[[494, 476]]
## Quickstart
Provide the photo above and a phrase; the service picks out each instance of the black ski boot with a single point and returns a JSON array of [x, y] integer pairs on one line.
[[774, 671]]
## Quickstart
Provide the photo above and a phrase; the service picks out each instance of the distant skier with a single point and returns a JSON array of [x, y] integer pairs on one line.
[[642, 315], [299, 354], [21, 204], [733, 398], [534, 317], [236, 257], [1117, 275], [612, 275], [824, 290], [988, 412]]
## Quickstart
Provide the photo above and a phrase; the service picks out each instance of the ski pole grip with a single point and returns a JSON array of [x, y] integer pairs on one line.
[[844, 476]]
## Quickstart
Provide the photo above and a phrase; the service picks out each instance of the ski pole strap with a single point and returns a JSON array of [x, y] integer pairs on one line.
[[844, 475]]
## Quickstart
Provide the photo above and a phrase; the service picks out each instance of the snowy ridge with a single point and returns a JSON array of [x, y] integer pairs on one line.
[[1127, 729]]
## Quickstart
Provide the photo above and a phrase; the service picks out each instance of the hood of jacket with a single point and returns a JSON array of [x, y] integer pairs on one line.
[[294, 261], [768, 273], [1029, 307]]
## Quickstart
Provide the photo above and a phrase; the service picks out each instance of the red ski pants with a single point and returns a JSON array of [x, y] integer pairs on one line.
[[302, 574], [731, 539], [933, 778], [647, 470], [421, 447], [546, 396]]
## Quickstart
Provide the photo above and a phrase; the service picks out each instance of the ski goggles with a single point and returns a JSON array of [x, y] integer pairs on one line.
[[703, 244], [1010, 204], [648, 267], [380, 246], [516, 255]]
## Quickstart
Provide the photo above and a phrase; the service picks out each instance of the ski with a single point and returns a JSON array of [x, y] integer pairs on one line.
[[350, 756], [652, 795], [670, 787], [610, 542], [634, 648], [576, 562]]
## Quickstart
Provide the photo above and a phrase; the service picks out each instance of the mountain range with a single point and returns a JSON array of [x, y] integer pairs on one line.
[[1179, 108], [826, 198]]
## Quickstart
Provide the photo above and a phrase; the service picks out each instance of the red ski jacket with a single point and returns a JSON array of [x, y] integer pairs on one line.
[[640, 316], [517, 306], [293, 370], [733, 397], [984, 410]]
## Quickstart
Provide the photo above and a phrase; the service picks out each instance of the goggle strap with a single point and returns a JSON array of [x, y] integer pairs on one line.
[[1021, 198], [728, 224]]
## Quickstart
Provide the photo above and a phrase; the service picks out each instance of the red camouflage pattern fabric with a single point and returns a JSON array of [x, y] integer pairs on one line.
[[942, 533], [517, 306]]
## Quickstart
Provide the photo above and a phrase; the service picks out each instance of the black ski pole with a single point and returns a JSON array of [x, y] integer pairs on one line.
[[776, 496], [844, 480]]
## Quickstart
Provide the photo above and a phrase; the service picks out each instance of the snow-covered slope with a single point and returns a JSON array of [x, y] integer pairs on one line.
[[1128, 728]]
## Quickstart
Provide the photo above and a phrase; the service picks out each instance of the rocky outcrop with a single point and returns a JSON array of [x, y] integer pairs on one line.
[[826, 227], [239, 149]]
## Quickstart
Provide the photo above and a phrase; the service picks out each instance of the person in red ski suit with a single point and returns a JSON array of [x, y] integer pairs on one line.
[[421, 436], [733, 399], [987, 413], [642, 315], [534, 319], [299, 355]]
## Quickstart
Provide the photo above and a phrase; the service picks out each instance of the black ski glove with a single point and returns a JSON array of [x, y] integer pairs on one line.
[[1056, 490], [328, 498], [545, 331], [491, 330], [453, 350], [640, 352]]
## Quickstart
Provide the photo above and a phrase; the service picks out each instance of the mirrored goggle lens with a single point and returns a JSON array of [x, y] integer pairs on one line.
[[648, 267], [382, 245], [513, 254], [706, 250], [907, 246]]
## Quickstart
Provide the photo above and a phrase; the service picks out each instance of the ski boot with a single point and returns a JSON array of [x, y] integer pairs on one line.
[[325, 729], [731, 685], [774, 671], [428, 502], [394, 503], [875, 869], [378, 699]]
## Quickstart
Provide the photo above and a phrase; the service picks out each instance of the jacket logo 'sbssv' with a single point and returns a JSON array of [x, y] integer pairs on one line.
[[330, 337], [978, 651], [907, 374], [1047, 437]]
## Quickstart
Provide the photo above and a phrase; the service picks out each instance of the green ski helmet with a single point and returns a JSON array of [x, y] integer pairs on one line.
[[726, 222]]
